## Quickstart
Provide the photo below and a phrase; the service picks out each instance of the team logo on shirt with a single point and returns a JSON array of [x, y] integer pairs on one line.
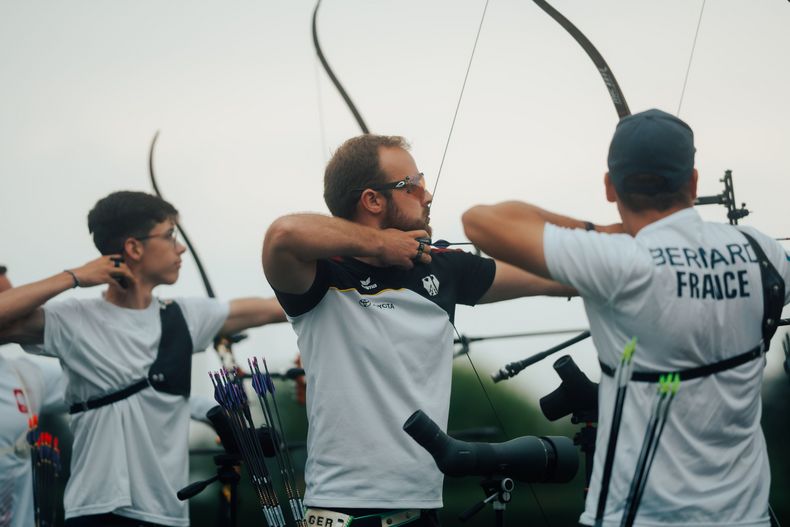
[[367, 285], [431, 284], [364, 302]]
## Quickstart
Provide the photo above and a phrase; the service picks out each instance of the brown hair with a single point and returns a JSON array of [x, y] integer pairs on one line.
[[660, 201], [126, 214], [355, 165]]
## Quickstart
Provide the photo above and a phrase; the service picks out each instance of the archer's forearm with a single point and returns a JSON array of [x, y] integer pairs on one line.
[[517, 209], [310, 237], [21, 301], [252, 312]]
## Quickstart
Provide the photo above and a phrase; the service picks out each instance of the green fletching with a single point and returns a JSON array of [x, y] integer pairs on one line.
[[675, 383], [664, 383], [669, 383], [629, 350]]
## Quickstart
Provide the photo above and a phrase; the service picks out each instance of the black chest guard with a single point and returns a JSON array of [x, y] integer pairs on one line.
[[171, 370]]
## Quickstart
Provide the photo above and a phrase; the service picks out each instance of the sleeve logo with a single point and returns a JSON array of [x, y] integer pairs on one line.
[[431, 284], [367, 285]]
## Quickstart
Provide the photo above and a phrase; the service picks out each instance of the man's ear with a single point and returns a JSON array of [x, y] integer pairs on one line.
[[611, 192], [372, 202], [693, 184], [132, 250]]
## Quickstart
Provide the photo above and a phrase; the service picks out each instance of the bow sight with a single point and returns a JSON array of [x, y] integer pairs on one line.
[[726, 198]]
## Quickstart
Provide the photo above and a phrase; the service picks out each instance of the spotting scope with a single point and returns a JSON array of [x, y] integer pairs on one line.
[[551, 459]]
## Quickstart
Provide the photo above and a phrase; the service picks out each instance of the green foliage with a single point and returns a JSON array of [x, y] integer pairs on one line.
[[560, 504], [776, 427], [520, 415]]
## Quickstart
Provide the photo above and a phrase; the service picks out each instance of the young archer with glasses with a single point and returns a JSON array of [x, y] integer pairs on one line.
[[127, 357], [372, 304]]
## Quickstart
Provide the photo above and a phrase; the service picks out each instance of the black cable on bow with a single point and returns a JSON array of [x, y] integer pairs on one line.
[[332, 76]]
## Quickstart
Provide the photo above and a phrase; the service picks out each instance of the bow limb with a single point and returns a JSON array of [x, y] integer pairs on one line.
[[187, 241], [616, 94], [331, 74], [222, 343], [620, 105]]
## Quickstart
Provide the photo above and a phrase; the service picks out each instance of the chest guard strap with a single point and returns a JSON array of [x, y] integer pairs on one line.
[[773, 292], [171, 370]]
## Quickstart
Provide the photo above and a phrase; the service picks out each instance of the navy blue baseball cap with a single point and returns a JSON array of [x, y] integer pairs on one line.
[[651, 142]]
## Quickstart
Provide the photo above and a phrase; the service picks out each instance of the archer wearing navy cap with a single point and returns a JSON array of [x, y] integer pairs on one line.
[[691, 293], [651, 153]]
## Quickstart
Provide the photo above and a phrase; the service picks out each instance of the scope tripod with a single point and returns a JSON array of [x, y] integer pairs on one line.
[[585, 440], [498, 491], [228, 475]]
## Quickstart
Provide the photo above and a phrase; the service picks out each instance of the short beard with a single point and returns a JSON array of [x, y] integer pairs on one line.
[[394, 219]]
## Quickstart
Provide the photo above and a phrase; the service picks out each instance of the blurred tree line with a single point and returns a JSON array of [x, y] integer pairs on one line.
[[536, 504]]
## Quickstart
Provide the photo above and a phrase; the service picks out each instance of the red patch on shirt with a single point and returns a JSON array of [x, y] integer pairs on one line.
[[21, 401]]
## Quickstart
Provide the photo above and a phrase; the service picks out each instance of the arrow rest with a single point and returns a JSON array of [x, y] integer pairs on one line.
[[726, 198]]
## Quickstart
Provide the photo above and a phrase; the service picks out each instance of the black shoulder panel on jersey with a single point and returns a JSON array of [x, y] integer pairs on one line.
[[299, 304], [452, 277]]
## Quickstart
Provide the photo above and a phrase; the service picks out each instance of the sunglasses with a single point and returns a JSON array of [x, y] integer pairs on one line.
[[411, 184]]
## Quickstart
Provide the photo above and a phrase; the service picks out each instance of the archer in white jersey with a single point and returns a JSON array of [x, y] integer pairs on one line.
[[372, 304], [692, 294]]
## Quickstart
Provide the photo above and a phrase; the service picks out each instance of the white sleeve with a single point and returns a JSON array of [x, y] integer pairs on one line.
[[199, 405], [62, 320], [597, 264], [205, 317]]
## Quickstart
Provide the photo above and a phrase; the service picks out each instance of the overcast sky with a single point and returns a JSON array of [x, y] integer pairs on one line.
[[248, 120]]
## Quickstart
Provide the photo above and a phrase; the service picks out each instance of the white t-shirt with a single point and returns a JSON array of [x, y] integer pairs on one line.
[[691, 292], [130, 457], [17, 404], [377, 345]]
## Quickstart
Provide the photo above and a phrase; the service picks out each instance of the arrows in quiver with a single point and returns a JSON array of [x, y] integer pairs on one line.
[[229, 393], [45, 459], [264, 386]]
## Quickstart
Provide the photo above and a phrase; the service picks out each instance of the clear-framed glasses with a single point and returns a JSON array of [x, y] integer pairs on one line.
[[169, 235], [411, 184]]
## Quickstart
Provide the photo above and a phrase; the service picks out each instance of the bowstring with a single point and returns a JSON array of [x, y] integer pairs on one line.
[[691, 58], [436, 184], [480, 381], [498, 419], [460, 98]]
